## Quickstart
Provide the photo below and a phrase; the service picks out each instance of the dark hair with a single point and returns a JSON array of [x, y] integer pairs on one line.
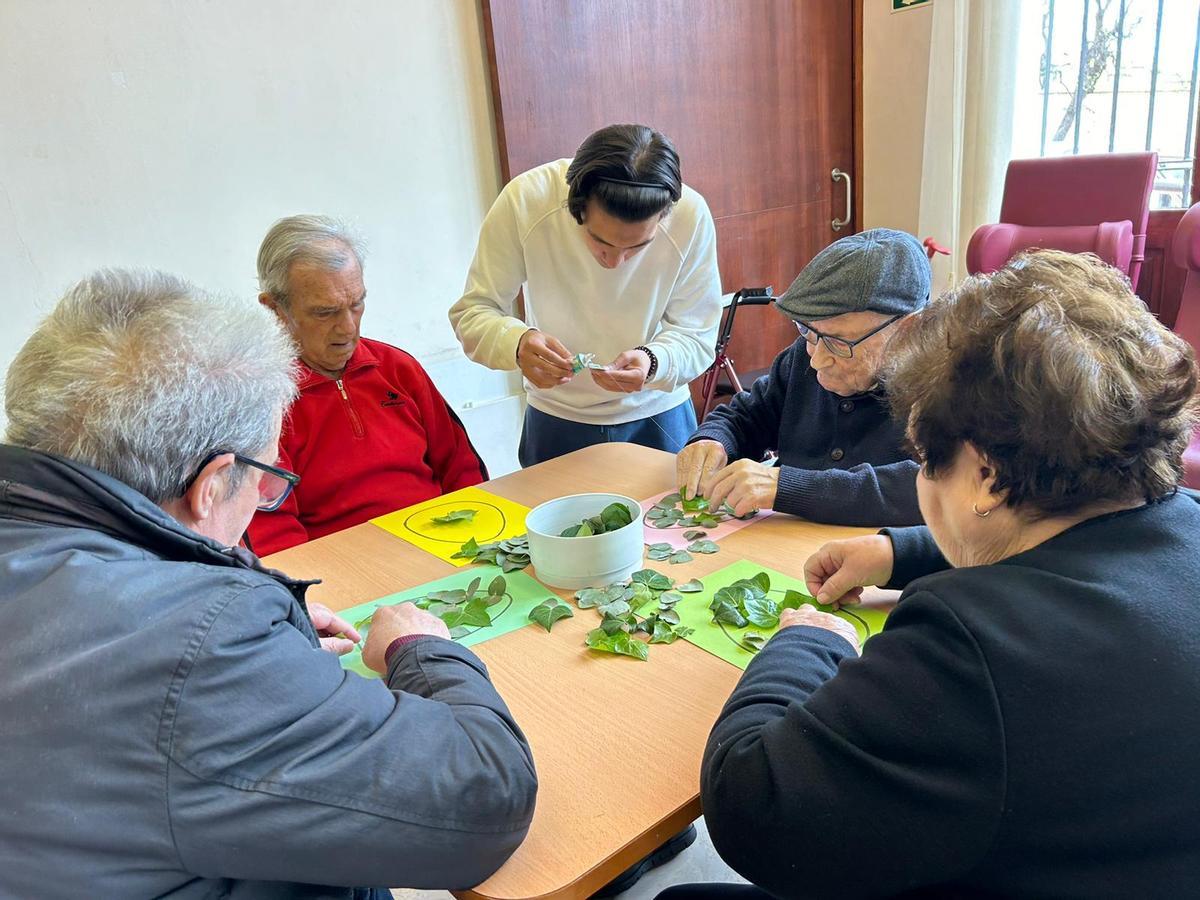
[[1057, 374], [612, 157]]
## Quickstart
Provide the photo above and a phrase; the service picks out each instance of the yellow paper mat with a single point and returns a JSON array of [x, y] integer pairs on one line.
[[495, 519]]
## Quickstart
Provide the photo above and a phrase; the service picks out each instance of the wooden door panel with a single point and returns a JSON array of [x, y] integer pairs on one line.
[[1160, 283], [758, 96]]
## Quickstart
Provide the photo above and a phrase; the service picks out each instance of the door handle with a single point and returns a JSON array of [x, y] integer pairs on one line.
[[839, 224]]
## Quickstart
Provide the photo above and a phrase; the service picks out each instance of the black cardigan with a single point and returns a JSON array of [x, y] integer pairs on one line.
[[1027, 728]]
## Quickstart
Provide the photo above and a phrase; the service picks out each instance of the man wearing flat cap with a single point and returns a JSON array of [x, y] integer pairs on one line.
[[821, 408]]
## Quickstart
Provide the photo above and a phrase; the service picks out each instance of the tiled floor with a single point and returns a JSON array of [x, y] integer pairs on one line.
[[698, 862]]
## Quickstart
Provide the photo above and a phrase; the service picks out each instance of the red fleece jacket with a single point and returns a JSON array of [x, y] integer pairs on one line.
[[376, 440]]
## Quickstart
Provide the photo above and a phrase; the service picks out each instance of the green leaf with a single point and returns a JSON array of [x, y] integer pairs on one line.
[[459, 631], [663, 523], [570, 531], [653, 580], [473, 587], [763, 580], [455, 596], [616, 515], [663, 634], [469, 550], [474, 615], [727, 613], [734, 595], [671, 499], [680, 557], [613, 624], [620, 643], [656, 512], [694, 586], [695, 505], [707, 521], [514, 564], [456, 515], [669, 599], [762, 612], [663, 546], [638, 595], [703, 547], [364, 622], [794, 600], [614, 608], [583, 530], [754, 587], [670, 616], [694, 535], [497, 587], [549, 612], [754, 640]]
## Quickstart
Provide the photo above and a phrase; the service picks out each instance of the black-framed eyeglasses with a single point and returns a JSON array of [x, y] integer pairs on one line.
[[273, 487], [836, 345]]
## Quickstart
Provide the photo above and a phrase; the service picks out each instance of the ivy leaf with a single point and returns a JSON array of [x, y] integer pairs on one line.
[[620, 643], [455, 596], [637, 595], [763, 580], [364, 622], [679, 557], [652, 580], [694, 535], [694, 586], [474, 614], [497, 587], [549, 612], [734, 595], [469, 550], [794, 600], [671, 499], [707, 521], [614, 624], [754, 587], [615, 516], [663, 523], [695, 505], [614, 608], [670, 616], [663, 546], [514, 563], [589, 597], [455, 515], [663, 634], [728, 614], [659, 555], [473, 587], [459, 631], [669, 599], [703, 547], [762, 612], [754, 640]]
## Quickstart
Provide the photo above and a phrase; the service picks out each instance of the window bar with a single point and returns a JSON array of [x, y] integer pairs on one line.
[[1116, 93], [1083, 61], [1154, 75], [1046, 75], [1188, 150]]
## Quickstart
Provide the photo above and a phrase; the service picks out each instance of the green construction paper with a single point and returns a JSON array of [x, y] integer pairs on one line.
[[694, 612], [526, 594]]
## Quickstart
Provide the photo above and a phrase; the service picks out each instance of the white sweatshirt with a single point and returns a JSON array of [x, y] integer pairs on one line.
[[667, 297]]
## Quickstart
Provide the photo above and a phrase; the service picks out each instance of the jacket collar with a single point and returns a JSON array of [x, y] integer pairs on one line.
[[363, 357], [52, 490]]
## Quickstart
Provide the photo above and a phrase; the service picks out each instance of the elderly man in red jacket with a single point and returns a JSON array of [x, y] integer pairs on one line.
[[369, 432]]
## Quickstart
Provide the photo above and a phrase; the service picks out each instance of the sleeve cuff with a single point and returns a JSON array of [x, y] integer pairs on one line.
[[915, 553], [403, 641], [793, 495]]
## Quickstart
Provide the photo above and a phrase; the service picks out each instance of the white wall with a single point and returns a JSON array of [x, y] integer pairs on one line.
[[895, 79], [171, 134]]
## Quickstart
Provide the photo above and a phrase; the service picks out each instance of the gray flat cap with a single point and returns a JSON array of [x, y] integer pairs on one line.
[[880, 270]]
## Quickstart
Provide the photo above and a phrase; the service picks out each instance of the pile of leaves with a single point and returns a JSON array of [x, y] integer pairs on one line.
[[463, 611], [664, 551], [455, 515], [511, 554], [613, 517], [747, 602], [645, 605], [672, 511]]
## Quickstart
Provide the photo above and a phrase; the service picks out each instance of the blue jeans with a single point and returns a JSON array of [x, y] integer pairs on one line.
[[546, 437]]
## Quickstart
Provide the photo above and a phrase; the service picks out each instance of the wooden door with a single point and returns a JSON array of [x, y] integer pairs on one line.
[[758, 96]]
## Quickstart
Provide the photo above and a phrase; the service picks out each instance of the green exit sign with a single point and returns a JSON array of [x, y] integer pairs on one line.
[[898, 5]]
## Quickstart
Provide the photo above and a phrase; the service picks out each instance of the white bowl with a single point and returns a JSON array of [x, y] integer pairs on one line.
[[579, 562]]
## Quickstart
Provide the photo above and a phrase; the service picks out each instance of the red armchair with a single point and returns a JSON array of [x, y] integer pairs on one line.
[[1185, 252]]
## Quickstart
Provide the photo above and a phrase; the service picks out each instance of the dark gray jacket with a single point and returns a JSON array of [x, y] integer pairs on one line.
[[168, 726], [841, 459]]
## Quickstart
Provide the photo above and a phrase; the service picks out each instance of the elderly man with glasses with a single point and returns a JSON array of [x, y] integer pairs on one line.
[[171, 726], [822, 409]]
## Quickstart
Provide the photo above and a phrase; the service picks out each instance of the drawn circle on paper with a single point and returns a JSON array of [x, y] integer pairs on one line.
[[489, 523]]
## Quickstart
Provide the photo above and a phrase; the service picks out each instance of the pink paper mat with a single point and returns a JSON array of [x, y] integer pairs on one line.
[[674, 534]]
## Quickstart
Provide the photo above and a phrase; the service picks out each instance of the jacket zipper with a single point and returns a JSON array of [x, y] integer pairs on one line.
[[355, 421]]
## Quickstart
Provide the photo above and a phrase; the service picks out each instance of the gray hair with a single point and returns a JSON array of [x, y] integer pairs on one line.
[[142, 375], [317, 240]]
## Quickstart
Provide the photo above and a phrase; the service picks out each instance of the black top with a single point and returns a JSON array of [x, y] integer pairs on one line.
[[1027, 728], [841, 458]]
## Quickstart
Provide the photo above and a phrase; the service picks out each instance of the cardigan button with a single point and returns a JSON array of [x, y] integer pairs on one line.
[[846, 406], [837, 454]]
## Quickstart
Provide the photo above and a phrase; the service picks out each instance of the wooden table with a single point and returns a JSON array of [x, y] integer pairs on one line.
[[617, 742]]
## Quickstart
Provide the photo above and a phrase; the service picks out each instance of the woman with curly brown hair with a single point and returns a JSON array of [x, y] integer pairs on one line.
[[1026, 723]]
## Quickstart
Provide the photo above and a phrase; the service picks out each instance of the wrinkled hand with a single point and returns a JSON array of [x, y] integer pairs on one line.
[[695, 463], [329, 625], [837, 573], [543, 359], [391, 622], [744, 484], [625, 374], [808, 614]]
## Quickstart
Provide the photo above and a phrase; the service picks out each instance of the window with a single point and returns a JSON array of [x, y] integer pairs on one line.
[[1097, 76]]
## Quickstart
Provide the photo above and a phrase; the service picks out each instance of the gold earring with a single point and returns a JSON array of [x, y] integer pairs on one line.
[[982, 515]]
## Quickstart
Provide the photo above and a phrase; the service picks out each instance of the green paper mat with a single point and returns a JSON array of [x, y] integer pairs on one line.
[[526, 594], [694, 611]]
